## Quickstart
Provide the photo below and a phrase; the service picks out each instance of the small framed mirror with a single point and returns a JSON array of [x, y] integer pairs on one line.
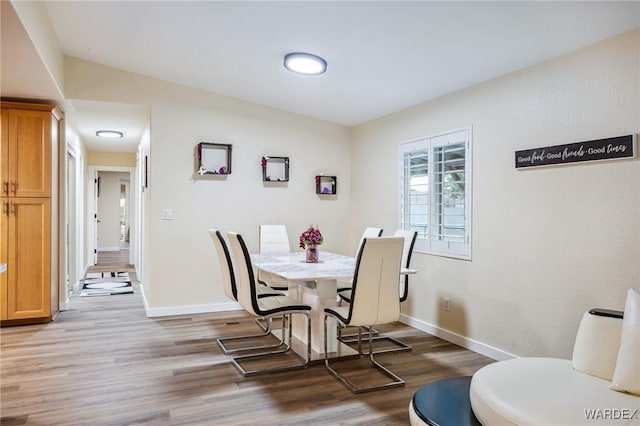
[[213, 159], [275, 169]]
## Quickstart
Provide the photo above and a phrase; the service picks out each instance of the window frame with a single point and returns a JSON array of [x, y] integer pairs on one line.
[[430, 144]]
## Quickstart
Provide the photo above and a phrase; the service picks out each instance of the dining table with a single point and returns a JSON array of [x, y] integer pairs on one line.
[[314, 284]]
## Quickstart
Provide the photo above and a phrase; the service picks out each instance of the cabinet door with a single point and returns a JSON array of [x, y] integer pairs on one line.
[[4, 227], [29, 153], [4, 152], [29, 258]]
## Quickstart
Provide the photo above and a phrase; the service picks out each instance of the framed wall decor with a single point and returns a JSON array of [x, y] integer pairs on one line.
[[275, 169], [213, 159], [326, 185]]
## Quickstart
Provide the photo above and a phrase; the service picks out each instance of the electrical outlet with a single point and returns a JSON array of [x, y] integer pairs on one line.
[[167, 214], [446, 304]]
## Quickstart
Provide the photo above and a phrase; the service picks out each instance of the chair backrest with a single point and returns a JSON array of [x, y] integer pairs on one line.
[[274, 239], [245, 281], [368, 233], [407, 251], [596, 346], [374, 295], [226, 264]]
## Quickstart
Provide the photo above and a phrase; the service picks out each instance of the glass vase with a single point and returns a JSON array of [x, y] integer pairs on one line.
[[313, 254]]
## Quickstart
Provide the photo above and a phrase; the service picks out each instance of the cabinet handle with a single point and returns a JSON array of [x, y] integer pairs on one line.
[[5, 187], [13, 208], [5, 207], [14, 187]]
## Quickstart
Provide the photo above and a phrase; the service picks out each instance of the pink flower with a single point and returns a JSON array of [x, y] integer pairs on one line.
[[311, 236]]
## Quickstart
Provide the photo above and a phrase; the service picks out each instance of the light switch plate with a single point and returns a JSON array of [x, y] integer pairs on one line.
[[167, 214]]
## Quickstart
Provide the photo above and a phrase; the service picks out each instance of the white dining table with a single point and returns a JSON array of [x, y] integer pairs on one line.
[[313, 284]]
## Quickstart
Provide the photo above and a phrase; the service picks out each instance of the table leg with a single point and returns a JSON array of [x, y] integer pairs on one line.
[[320, 295]]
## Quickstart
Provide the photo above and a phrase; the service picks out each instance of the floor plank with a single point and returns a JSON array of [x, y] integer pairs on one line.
[[103, 362]]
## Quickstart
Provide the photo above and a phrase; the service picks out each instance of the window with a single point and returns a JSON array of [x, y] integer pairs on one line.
[[435, 193]]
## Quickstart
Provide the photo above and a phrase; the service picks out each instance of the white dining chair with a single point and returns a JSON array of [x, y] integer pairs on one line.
[[407, 251], [409, 238], [273, 239], [374, 301], [231, 291], [369, 232], [266, 308]]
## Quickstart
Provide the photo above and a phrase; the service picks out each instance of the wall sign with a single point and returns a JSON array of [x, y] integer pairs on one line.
[[601, 149]]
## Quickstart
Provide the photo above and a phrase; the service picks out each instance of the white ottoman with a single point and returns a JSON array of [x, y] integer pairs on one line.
[[547, 391]]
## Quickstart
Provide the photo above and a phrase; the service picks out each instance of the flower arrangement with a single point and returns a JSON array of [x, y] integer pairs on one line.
[[311, 236]]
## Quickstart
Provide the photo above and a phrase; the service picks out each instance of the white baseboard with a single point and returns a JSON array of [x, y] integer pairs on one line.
[[187, 309], [465, 342], [64, 306], [108, 248]]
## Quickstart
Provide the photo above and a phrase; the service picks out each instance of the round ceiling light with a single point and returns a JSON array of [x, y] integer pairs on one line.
[[305, 63], [113, 134]]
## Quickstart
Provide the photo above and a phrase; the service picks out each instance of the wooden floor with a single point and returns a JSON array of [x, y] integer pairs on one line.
[[109, 261], [104, 362]]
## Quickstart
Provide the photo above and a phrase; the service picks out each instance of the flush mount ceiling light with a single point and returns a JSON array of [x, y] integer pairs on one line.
[[305, 63], [113, 134]]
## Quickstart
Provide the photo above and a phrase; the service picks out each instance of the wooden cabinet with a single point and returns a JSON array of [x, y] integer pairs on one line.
[[26, 229], [26, 153], [28, 139]]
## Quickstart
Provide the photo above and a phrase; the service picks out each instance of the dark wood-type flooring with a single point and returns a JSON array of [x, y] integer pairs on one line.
[[103, 362]]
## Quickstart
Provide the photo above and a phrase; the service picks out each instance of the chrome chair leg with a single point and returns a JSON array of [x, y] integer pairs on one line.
[[396, 380], [264, 324], [224, 341], [287, 338], [370, 331]]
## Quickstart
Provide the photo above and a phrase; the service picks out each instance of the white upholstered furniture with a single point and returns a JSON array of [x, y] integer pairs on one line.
[[407, 250], [265, 307], [369, 232], [274, 239], [230, 289], [409, 238], [550, 391], [374, 301]]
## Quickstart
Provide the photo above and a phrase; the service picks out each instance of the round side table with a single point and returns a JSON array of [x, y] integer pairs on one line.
[[445, 403]]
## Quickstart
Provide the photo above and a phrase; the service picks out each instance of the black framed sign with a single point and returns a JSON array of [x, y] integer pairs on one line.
[[618, 147]]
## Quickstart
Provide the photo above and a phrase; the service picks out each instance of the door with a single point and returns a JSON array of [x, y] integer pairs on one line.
[[71, 225], [29, 258], [4, 256], [4, 152], [29, 165], [96, 221]]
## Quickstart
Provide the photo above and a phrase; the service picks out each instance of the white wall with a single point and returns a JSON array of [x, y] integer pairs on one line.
[[74, 146], [35, 19], [548, 243], [179, 266]]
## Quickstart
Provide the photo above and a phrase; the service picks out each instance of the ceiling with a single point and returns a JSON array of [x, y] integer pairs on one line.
[[383, 56]]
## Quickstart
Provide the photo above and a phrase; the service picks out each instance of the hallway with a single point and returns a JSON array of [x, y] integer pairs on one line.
[[113, 261]]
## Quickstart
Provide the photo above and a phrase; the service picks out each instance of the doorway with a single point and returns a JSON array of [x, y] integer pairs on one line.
[[72, 229], [112, 230]]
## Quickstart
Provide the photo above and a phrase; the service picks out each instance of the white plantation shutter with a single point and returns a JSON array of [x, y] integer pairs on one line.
[[435, 192]]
